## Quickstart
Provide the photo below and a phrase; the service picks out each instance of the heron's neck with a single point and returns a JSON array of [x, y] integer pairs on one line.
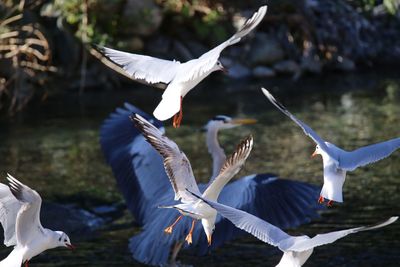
[[216, 151]]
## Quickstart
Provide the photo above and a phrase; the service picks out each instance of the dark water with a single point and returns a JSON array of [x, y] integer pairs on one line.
[[54, 148]]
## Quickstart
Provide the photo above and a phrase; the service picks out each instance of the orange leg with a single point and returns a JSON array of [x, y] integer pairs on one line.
[[178, 117], [27, 264], [330, 203], [321, 199], [169, 229], [189, 236]]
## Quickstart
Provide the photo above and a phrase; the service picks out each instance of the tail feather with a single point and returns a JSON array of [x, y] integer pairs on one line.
[[170, 105], [14, 259]]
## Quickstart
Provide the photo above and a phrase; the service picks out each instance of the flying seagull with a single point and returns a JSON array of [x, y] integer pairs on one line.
[[139, 172], [296, 249], [20, 218], [180, 78], [336, 161], [181, 177]]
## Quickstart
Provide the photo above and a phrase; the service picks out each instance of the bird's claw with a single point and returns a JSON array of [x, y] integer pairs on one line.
[[330, 203], [321, 199], [188, 239], [168, 230]]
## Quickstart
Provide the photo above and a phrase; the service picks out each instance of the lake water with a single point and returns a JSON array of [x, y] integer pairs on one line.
[[54, 148]]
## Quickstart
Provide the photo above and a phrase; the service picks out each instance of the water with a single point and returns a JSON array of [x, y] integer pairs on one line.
[[54, 148]]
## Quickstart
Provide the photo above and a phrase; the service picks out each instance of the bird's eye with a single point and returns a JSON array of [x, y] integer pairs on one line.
[[65, 240]]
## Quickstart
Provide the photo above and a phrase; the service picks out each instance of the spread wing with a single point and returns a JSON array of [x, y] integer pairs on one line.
[[306, 129], [231, 167], [299, 244], [368, 154], [28, 219], [150, 69], [9, 207], [260, 229], [176, 163], [205, 63]]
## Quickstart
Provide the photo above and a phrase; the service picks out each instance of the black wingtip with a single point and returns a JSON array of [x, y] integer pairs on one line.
[[272, 99]]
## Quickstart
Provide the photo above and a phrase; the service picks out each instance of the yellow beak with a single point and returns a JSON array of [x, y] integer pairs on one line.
[[209, 239], [244, 121]]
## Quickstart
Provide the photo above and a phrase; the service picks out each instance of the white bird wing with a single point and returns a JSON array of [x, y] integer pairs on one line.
[[323, 239], [27, 224], [231, 167], [150, 69], [262, 230], [206, 62], [306, 129], [9, 207], [368, 154], [176, 163]]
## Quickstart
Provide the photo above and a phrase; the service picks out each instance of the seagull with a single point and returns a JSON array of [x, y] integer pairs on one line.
[[140, 173], [336, 161], [179, 78], [20, 218], [296, 249], [181, 177]]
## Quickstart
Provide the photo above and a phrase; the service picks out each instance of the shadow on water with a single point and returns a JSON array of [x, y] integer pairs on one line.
[[54, 148]]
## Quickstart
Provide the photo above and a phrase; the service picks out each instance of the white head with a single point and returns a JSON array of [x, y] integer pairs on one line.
[[61, 239], [318, 151], [209, 226], [219, 67], [224, 122]]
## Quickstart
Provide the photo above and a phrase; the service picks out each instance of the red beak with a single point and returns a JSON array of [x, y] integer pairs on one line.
[[70, 246], [314, 154]]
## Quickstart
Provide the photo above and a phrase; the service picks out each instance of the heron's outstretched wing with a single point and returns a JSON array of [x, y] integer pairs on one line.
[[206, 62], [137, 167], [150, 69], [368, 154], [176, 163], [28, 219], [299, 244], [306, 129], [231, 167]]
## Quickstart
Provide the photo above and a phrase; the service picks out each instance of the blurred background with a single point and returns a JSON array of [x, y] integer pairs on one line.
[[334, 64]]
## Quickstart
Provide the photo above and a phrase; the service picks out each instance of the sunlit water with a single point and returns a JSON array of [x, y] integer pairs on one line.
[[54, 148]]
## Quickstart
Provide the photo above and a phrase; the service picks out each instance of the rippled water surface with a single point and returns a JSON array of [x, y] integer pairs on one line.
[[54, 148]]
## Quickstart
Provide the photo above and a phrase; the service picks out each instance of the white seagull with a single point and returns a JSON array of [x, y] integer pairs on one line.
[[20, 218], [180, 173], [337, 161], [179, 78], [296, 249]]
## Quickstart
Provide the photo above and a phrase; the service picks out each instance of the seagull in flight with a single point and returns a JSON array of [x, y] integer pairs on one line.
[[181, 177], [296, 249], [336, 161], [179, 78], [20, 218]]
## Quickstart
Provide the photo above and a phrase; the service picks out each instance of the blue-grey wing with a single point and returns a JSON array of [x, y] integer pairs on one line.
[[137, 167]]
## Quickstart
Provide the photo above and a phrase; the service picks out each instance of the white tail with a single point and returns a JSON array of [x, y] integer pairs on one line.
[[14, 259]]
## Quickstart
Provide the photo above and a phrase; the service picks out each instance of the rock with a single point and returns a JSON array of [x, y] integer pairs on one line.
[[141, 17], [265, 50], [238, 71], [311, 63], [344, 64], [263, 72], [287, 66]]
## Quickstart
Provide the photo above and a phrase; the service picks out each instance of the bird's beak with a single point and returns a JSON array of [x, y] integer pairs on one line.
[[314, 154], [243, 121], [209, 239], [225, 70], [70, 246]]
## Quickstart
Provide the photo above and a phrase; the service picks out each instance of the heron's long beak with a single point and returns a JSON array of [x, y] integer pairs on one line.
[[209, 239], [314, 154], [70, 246], [243, 121]]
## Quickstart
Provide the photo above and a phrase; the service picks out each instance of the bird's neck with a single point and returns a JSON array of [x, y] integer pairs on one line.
[[216, 151]]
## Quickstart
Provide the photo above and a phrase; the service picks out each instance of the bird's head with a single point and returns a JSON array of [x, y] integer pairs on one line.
[[221, 122], [63, 240], [218, 66], [209, 227], [317, 151]]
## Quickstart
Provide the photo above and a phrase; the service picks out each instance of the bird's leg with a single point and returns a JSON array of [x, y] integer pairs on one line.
[[178, 116], [330, 203], [321, 199], [188, 238], [169, 229], [175, 251], [27, 264]]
